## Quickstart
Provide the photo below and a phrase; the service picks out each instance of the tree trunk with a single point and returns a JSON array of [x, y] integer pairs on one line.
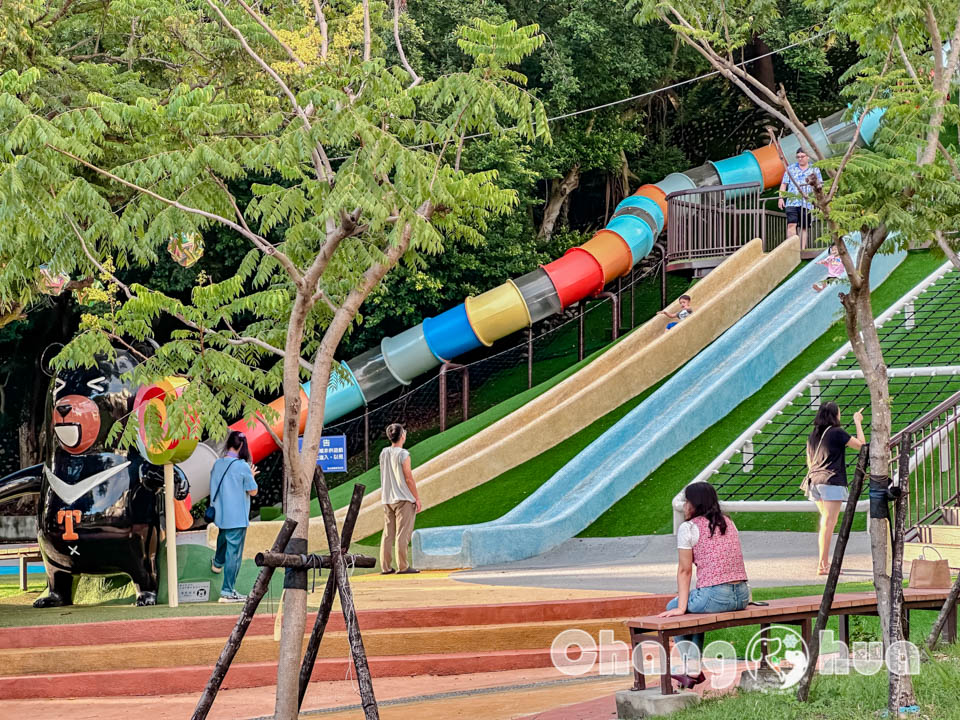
[[865, 341], [294, 621], [559, 191], [762, 69], [947, 250]]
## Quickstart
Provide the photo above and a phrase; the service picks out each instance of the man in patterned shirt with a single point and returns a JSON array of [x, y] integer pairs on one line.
[[796, 182]]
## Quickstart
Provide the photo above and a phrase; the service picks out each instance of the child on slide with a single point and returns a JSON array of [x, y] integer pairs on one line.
[[684, 312], [835, 270]]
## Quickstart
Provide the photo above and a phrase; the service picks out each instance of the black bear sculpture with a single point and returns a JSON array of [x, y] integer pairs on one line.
[[99, 510]]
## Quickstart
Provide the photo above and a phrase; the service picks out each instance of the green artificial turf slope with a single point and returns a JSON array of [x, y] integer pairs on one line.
[[646, 509]]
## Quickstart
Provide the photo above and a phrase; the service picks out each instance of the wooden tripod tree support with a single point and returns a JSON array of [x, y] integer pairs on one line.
[[243, 622], [326, 603], [803, 691], [342, 581]]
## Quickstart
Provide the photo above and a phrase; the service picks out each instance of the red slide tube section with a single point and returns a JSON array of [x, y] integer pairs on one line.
[[258, 439], [576, 275]]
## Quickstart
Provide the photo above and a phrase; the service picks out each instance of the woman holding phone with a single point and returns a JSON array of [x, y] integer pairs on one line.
[[826, 481]]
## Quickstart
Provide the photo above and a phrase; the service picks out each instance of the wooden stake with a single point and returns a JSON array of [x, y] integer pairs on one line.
[[364, 680], [243, 622], [803, 691], [326, 603], [173, 594]]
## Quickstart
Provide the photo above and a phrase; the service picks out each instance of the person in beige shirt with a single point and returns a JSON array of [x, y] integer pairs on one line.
[[401, 502]]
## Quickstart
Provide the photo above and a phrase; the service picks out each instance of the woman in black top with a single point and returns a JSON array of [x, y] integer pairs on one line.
[[827, 470]]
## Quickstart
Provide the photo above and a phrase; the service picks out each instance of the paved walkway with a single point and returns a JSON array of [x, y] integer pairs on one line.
[[648, 563]]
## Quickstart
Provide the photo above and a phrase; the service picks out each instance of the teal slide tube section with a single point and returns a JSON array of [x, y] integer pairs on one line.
[[343, 395], [705, 390], [408, 355], [675, 182], [449, 334], [742, 168], [636, 233], [644, 203]]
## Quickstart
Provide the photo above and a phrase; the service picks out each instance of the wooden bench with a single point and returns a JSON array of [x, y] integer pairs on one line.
[[800, 611], [25, 554]]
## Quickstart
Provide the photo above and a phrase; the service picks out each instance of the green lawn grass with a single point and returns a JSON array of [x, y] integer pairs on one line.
[[843, 697], [646, 509]]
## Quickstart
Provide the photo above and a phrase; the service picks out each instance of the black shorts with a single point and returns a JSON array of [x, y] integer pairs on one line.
[[798, 216]]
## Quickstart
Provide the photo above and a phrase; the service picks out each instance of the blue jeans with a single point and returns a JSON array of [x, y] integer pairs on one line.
[[713, 599], [228, 556]]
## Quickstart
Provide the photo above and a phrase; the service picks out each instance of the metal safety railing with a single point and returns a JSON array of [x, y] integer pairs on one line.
[[925, 464], [707, 224]]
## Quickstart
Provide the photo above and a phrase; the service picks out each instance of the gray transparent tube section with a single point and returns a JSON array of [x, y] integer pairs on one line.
[[539, 294], [372, 374]]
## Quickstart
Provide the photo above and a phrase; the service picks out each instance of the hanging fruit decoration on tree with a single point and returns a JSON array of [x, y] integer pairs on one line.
[[52, 283], [186, 248]]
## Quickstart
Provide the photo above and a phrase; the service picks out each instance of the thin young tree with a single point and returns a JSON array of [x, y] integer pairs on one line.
[[902, 190], [124, 126]]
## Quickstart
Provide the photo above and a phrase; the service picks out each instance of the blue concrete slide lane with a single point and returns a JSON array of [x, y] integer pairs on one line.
[[704, 391]]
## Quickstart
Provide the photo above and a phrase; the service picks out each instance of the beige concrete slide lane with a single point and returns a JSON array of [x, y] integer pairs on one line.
[[640, 360]]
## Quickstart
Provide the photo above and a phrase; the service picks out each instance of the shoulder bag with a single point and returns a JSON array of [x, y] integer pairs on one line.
[[211, 514]]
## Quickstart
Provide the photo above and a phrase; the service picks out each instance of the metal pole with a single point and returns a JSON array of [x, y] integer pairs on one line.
[[633, 304], [443, 397], [615, 303], [619, 301], [580, 331], [366, 437], [466, 392], [663, 281], [529, 357]]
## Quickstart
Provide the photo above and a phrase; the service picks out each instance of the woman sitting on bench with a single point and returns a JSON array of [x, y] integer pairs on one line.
[[709, 540]]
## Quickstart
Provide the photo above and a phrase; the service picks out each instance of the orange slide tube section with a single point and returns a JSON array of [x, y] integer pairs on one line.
[[770, 165], [613, 254]]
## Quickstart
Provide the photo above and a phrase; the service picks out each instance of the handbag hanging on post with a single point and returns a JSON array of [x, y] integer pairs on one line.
[[929, 574]]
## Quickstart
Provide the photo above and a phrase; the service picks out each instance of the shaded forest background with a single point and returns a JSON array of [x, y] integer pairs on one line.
[[594, 55]]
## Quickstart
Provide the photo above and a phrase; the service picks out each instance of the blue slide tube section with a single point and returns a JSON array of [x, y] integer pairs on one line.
[[705, 390], [644, 203], [636, 233], [343, 395], [449, 334], [742, 168]]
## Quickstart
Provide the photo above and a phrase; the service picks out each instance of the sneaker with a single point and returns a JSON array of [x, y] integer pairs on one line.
[[215, 570], [234, 597]]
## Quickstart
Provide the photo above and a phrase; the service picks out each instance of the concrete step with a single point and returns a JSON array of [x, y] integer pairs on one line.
[[913, 550], [263, 648], [939, 534], [192, 679], [220, 626]]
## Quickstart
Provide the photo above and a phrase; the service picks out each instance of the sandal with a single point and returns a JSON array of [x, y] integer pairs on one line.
[[688, 682]]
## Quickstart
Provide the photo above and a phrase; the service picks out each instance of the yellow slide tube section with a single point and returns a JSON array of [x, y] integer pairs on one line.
[[497, 313], [612, 252]]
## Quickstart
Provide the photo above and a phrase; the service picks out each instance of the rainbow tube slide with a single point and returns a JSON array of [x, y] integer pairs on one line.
[[581, 273]]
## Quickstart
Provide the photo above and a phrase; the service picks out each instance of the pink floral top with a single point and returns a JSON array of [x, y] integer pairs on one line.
[[719, 559]]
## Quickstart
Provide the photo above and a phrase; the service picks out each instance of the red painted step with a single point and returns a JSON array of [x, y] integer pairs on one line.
[[188, 628]]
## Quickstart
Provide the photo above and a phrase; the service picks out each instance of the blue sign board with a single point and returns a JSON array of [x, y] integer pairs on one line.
[[333, 453]]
